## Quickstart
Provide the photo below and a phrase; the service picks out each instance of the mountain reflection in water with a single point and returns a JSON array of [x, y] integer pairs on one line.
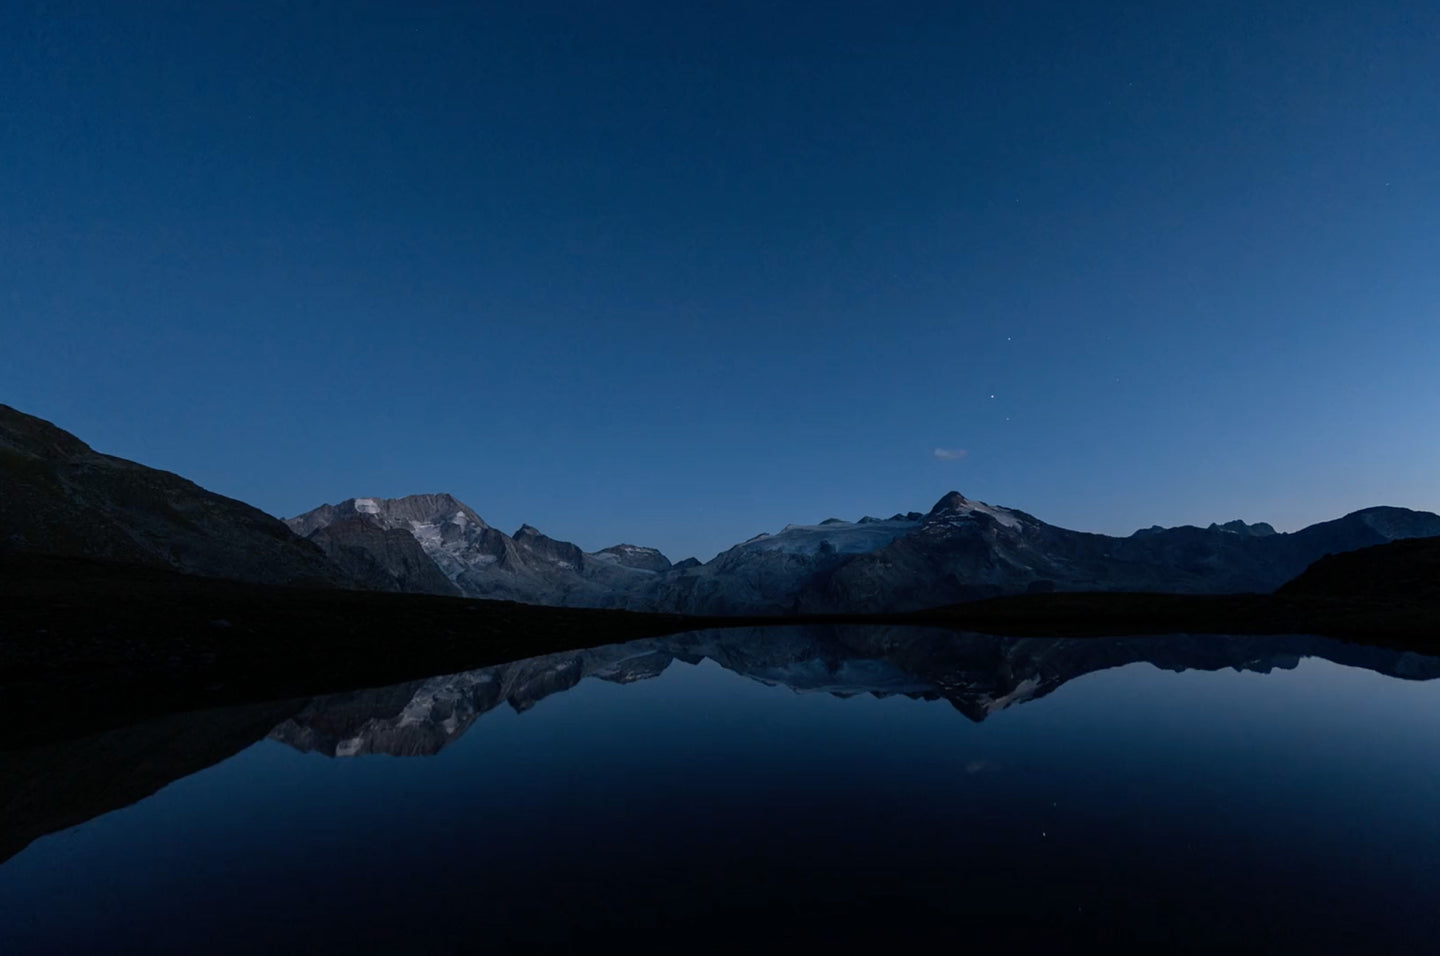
[[977, 674], [740, 789]]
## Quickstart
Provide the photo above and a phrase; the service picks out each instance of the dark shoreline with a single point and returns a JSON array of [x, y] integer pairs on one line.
[[86, 644]]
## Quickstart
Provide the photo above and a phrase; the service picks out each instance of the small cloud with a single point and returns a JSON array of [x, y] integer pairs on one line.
[[950, 454]]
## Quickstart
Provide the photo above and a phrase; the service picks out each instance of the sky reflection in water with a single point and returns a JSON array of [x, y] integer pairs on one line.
[[1199, 808]]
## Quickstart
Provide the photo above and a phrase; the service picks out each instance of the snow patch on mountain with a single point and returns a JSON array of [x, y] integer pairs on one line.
[[843, 537], [957, 505], [1002, 515]]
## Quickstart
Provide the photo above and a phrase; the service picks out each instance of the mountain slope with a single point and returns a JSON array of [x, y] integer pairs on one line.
[[379, 558], [60, 497]]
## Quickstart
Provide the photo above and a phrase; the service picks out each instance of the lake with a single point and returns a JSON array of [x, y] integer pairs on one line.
[[762, 789]]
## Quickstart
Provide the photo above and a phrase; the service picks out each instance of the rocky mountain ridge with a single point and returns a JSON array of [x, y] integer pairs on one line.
[[960, 550]]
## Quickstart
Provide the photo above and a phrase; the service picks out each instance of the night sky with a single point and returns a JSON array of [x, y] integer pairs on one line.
[[675, 274]]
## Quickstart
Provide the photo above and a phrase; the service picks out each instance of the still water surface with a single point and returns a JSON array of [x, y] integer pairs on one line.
[[764, 789]]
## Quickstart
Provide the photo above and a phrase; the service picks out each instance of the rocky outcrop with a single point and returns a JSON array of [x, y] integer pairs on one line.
[[382, 559]]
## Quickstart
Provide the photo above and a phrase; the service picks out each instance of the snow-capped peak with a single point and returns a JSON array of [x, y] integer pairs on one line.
[[958, 505]]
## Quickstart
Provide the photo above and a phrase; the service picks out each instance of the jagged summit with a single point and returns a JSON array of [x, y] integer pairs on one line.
[[955, 508], [382, 541], [390, 512], [437, 504], [634, 556], [952, 501]]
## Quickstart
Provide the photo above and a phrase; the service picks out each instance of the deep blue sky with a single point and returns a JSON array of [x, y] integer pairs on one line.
[[675, 276]]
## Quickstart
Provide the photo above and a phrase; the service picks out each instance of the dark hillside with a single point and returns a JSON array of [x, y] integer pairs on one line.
[[59, 497], [1406, 571]]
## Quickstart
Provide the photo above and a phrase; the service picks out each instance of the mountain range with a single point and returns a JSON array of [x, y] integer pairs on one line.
[[60, 497], [957, 551]]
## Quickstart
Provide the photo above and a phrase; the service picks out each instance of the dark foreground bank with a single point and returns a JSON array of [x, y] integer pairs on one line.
[[127, 642], [130, 642]]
